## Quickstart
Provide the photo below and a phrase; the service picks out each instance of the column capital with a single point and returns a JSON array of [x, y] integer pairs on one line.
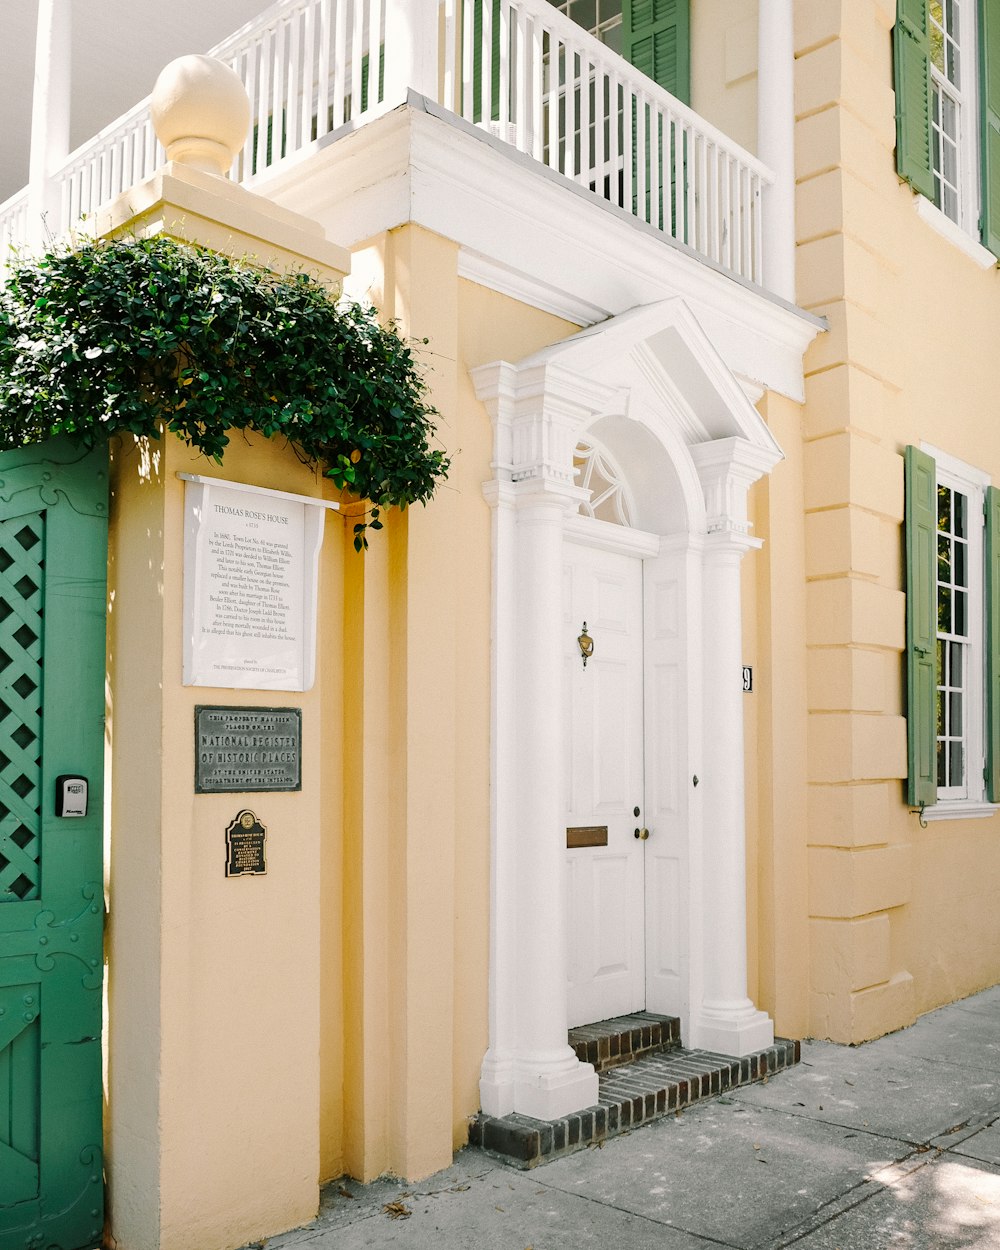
[[538, 410], [533, 491], [727, 468]]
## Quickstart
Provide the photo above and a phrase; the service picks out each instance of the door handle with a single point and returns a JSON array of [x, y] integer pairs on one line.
[[642, 834]]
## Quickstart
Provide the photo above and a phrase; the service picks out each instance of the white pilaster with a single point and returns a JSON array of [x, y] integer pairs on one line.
[[411, 49], [50, 114], [723, 1018], [529, 1066], [776, 141], [549, 1080]]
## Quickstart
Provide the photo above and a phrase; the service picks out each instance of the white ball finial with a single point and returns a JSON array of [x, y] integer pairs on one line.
[[201, 113]]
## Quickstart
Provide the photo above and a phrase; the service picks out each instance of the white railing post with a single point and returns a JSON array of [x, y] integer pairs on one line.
[[411, 53], [776, 142], [50, 107]]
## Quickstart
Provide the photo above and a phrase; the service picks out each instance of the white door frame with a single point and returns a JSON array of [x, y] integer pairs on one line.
[[654, 382]]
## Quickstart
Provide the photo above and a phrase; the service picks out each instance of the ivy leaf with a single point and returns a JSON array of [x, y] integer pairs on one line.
[[180, 336]]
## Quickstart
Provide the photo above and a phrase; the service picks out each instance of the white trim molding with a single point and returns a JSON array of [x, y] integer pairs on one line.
[[954, 233], [526, 231], [655, 392]]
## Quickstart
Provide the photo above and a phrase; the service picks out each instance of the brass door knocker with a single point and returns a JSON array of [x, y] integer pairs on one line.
[[586, 645]]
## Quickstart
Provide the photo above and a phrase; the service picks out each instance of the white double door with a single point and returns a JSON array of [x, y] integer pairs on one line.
[[626, 885]]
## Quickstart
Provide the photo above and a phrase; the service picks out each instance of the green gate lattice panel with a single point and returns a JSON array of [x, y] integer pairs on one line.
[[22, 552]]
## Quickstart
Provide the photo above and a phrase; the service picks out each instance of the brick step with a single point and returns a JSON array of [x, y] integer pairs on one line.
[[630, 1095], [624, 1038]]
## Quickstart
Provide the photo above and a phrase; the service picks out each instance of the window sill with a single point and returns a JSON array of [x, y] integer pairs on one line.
[[944, 226], [960, 809]]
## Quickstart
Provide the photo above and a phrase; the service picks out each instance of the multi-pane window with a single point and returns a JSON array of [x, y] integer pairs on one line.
[[949, 109], [953, 641], [946, 56], [603, 18], [952, 636]]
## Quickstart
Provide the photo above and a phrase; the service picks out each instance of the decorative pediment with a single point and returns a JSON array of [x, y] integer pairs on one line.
[[654, 389]]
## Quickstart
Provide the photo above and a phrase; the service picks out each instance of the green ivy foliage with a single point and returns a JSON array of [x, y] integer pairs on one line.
[[138, 335]]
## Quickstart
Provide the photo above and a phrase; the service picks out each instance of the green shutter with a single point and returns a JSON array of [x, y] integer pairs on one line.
[[477, 62], [993, 644], [366, 74], [921, 626], [656, 39], [911, 52], [989, 50]]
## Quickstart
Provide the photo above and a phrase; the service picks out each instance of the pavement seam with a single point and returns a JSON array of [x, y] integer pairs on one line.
[[838, 1124], [956, 1063], [638, 1215], [818, 1219], [323, 1232]]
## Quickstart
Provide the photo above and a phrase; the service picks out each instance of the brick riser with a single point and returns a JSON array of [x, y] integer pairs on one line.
[[624, 1039], [630, 1095]]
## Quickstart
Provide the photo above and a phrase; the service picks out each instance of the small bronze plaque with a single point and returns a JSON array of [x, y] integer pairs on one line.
[[245, 839], [586, 835], [246, 750]]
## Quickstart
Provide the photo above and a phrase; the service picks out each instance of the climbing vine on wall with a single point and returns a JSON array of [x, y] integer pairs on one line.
[[141, 335]]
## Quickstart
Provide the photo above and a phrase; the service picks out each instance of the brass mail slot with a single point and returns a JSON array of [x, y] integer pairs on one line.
[[586, 835]]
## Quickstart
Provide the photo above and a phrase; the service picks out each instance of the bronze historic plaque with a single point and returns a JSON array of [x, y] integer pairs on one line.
[[241, 750], [245, 840]]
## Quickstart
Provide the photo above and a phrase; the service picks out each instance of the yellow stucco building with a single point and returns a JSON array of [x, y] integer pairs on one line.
[[680, 696]]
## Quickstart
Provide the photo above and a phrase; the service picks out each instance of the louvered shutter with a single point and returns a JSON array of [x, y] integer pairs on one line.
[[477, 61], [912, 64], [989, 44], [656, 39], [921, 626]]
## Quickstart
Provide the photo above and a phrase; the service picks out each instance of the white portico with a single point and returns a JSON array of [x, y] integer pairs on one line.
[[649, 389]]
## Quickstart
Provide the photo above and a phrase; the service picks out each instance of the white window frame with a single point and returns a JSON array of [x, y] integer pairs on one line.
[[967, 100], [971, 482], [603, 27]]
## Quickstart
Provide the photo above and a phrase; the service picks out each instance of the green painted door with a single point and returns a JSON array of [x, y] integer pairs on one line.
[[53, 562]]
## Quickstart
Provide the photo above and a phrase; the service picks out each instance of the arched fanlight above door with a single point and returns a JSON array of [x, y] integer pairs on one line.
[[610, 499]]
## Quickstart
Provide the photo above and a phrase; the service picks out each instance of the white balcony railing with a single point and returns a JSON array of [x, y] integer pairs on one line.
[[13, 224], [517, 68]]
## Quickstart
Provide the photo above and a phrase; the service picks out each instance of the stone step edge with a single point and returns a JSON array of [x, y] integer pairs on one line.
[[610, 1050], [523, 1142]]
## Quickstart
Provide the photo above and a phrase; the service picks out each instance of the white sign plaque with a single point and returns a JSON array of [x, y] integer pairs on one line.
[[251, 562]]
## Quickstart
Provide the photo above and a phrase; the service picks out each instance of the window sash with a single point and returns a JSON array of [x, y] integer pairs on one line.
[[955, 662], [954, 129], [967, 630]]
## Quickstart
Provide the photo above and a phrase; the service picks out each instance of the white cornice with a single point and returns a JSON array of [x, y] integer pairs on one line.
[[522, 286], [527, 231]]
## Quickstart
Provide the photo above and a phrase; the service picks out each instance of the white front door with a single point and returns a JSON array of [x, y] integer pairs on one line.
[[604, 776]]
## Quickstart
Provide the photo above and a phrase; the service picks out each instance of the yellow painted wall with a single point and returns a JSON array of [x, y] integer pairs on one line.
[[217, 986], [724, 67], [775, 630], [903, 918], [858, 919], [416, 726], [214, 983]]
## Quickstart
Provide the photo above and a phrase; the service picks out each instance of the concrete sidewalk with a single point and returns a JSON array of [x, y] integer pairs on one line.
[[895, 1144]]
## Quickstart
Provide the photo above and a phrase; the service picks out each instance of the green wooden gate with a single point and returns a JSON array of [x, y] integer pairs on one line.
[[53, 562]]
